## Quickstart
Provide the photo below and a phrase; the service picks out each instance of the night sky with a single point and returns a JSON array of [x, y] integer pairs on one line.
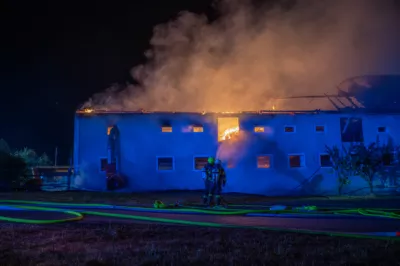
[[56, 54]]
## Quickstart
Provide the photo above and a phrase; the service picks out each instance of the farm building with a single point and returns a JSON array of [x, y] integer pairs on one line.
[[266, 152]]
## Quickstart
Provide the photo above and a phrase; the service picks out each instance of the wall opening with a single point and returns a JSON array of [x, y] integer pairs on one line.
[[290, 129], [325, 160], [228, 127], [166, 129], [198, 129], [165, 163], [296, 161], [200, 162], [351, 129], [103, 164], [382, 130], [320, 129], [264, 161], [259, 129]]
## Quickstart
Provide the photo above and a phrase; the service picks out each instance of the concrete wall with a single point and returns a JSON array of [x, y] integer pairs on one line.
[[142, 142]]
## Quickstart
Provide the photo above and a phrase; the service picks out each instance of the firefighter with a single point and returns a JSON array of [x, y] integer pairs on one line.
[[219, 183], [208, 173]]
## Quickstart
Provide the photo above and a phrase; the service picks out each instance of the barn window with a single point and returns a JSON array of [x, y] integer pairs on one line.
[[264, 161], [109, 130], [296, 160], [351, 129], [382, 129], [290, 129], [320, 129], [198, 129], [325, 160], [103, 164], [200, 162], [259, 129], [165, 163], [166, 129]]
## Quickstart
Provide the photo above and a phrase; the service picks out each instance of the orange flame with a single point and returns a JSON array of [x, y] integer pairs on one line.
[[229, 133]]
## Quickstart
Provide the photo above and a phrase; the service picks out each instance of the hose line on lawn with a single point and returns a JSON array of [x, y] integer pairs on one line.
[[78, 215]]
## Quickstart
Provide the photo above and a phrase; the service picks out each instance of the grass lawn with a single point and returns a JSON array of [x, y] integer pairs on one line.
[[185, 197], [142, 244]]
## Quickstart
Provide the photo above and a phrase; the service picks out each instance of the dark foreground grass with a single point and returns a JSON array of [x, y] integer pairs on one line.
[[142, 244]]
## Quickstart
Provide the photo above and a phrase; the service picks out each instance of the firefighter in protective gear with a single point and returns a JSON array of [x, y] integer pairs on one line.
[[219, 183], [207, 175], [214, 179]]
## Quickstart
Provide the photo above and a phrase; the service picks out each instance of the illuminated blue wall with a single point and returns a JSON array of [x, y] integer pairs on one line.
[[142, 142]]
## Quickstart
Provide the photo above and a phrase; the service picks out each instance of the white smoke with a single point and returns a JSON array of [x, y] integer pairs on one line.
[[248, 55]]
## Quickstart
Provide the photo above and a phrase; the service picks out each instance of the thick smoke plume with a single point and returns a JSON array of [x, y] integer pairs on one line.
[[252, 53]]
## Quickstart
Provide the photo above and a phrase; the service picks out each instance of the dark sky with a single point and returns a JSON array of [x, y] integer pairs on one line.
[[56, 54]]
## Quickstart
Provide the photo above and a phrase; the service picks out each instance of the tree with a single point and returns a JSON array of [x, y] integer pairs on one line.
[[12, 170], [4, 146], [32, 159], [342, 164], [369, 161]]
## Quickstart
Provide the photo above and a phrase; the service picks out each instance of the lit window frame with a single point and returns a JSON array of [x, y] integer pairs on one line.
[[198, 127], [270, 161], [194, 161], [168, 131], [260, 127]]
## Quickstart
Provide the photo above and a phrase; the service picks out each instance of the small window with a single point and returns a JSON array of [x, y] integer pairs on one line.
[[198, 129], [259, 129], [165, 163], [320, 129], [109, 130], [290, 129], [166, 129], [200, 162], [381, 129], [103, 164], [325, 160], [296, 161], [264, 161]]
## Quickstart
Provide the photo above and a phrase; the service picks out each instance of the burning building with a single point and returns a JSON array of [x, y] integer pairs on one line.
[[271, 152]]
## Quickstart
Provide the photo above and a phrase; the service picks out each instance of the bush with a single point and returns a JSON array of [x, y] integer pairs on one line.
[[12, 170]]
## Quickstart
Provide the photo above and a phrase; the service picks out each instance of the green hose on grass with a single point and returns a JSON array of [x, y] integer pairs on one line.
[[76, 216], [79, 216]]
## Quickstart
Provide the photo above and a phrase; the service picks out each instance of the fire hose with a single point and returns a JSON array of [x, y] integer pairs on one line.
[[78, 211]]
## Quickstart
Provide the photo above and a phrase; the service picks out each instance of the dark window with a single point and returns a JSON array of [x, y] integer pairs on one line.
[[319, 129], [289, 129], [103, 164], [264, 161], [381, 129], [296, 161], [389, 158], [351, 129], [325, 160], [200, 162], [165, 163]]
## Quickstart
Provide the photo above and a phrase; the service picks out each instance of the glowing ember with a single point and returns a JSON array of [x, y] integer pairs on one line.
[[229, 133], [88, 110]]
